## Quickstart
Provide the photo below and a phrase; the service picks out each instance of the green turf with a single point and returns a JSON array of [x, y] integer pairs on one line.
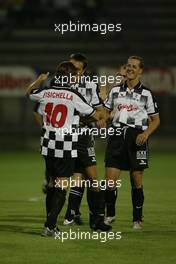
[[22, 216]]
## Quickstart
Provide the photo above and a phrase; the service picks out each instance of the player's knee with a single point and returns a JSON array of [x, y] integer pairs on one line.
[[62, 183], [111, 178], [137, 179], [51, 182], [91, 173], [77, 180], [111, 184]]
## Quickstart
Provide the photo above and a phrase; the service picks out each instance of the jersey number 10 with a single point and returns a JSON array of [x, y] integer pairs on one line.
[[52, 114]]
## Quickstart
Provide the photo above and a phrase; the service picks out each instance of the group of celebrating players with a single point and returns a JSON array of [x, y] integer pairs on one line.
[[66, 106]]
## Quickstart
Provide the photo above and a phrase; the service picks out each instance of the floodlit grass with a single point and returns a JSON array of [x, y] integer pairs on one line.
[[22, 215]]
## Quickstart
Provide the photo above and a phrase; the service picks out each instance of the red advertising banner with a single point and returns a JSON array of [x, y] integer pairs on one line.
[[14, 79]]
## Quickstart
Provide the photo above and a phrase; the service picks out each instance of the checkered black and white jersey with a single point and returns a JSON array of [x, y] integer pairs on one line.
[[131, 107], [60, 108], [89, 90]]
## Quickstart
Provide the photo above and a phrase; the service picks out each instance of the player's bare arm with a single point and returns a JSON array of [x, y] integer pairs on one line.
[[102, 121], [107, 114], [153, 124], [97, 117], [41, 78], [94, 117]]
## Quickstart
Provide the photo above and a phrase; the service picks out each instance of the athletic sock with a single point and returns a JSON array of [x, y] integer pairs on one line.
[[57, 203], [49, 194], [77, 211], [110, 201], [137, 201], [96, 203], [74, 201]]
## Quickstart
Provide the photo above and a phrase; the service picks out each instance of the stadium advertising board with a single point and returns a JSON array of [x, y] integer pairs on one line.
[[14, 79]]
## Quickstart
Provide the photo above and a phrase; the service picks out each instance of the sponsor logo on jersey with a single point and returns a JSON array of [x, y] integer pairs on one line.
[[142, 162], [91, 151], [141, 154], [129, 107]]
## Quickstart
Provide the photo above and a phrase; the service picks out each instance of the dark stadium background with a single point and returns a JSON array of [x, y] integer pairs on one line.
[[28, 40], [28, 46]]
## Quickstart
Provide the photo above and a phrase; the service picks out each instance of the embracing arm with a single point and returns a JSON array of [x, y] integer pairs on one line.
[[154, 122], [41, 78]]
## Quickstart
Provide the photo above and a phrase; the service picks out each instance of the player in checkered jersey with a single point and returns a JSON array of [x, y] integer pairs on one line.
[[86, 162], [61, 108], [127, 149]]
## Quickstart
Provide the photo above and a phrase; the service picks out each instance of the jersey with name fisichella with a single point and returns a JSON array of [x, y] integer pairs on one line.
[[60, 108]]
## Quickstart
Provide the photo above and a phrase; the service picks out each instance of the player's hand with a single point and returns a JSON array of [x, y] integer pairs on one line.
[[101, 123], [44, 76], [142, 138]]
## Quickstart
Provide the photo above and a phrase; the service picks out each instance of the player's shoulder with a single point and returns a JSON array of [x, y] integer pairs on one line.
[[38, 90], [67, 88], [145, 90], [116, 89], [90, 84], [74, 93], [84, 83]]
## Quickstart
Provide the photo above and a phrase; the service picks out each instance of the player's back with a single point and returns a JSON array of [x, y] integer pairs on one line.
[[58, 107]]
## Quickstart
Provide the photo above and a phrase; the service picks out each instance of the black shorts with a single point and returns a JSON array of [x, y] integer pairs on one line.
[[59, 167], [123, 153], [86, 153]]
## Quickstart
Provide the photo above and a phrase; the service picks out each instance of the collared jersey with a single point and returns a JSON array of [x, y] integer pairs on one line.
[[89, 90], [131, 107], [60, 108]]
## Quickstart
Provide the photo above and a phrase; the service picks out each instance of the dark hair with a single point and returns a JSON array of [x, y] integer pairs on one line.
[[81, 58], [66, 68], [64, 72], [140, 59]]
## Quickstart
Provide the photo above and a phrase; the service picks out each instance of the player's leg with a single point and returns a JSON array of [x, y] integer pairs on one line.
[[116, 159], [74, 200], [45, 181], [111, 176], [138, 156], [86, 158], [137, 198], [95, 199], [57, 188], [57, 200], [95, 196]]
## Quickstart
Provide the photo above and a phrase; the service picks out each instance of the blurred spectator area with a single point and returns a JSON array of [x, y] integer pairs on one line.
[[27, 38]]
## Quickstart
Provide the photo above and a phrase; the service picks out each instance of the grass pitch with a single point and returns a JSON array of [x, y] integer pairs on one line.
[[22, 216]]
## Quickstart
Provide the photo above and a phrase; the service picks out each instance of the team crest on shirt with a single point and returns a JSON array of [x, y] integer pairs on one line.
[[141, 154], [136, 96], [82, 91], [122, 94], [91, 151]]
